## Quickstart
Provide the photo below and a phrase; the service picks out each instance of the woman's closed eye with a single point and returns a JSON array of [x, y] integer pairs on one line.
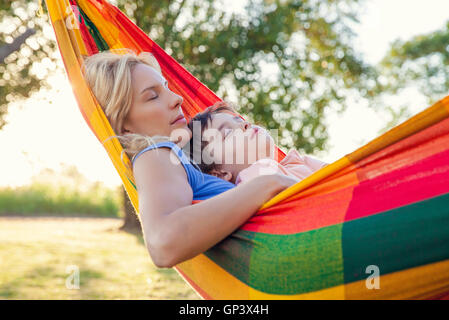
[[153, 97]]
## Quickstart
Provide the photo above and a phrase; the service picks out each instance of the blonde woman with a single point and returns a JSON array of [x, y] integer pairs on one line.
[[145, 113]]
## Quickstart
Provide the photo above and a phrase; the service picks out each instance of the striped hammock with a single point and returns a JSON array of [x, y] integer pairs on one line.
[[372, 225]]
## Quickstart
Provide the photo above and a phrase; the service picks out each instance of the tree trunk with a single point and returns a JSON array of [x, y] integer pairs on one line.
[[130, 220], [7, 49]]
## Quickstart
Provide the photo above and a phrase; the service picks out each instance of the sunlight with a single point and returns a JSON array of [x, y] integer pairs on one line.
[[48, 131]]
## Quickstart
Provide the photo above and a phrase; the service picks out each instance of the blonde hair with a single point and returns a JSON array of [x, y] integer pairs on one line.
[[109, 76]]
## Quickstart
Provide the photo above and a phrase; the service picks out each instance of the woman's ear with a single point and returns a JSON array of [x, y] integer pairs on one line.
[[222, 174], [125, 130]]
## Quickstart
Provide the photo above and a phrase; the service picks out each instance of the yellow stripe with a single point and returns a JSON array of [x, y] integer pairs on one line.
[[220, 284], [202, 270], [108, 30], [309, 181], [415, 283], [85, 98]]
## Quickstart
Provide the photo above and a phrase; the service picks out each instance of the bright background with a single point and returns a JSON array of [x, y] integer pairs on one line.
[[47, 131]]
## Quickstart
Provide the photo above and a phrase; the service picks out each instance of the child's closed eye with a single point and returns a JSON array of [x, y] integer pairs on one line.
[[227, 131]]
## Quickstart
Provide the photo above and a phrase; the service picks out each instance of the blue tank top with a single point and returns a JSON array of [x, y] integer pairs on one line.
[[204, 186]]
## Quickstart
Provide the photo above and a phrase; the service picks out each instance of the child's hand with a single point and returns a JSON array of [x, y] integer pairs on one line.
[[285, 181], [275, 183]]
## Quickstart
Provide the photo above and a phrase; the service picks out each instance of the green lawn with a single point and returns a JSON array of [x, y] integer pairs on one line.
[[38, 254]]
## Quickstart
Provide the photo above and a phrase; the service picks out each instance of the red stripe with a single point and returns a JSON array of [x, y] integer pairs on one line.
[[302, 214], [419, 172], [89, 42]]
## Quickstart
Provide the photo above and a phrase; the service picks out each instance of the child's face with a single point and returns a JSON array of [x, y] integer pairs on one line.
[[235, 143]]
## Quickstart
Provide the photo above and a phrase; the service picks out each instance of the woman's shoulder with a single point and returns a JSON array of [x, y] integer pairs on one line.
[[159, 179], [167, 145], [164, 159], [155, 160]]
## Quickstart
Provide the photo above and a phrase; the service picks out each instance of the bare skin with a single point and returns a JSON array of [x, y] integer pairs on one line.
[[238, 140], [174, 229]]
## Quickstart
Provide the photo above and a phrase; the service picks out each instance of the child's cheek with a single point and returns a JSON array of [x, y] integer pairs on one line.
[[228, 151]]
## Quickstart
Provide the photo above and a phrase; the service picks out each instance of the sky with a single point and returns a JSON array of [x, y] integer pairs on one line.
[[382, 22], [48, 131]]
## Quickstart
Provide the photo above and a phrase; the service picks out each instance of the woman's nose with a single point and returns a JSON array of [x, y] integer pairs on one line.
[[177, 101]]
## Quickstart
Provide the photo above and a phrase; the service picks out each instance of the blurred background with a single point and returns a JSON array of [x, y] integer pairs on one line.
[[329, 74]]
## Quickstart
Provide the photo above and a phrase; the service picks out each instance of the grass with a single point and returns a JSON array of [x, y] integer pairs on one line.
[[38, 256], [48, 199], [64, 191]]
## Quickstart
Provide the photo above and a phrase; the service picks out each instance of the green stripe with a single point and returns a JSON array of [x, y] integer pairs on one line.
[[299, 263], [283, 264], [398, 239], [395, 240], [129, 180], [233, 254], [96, 35]]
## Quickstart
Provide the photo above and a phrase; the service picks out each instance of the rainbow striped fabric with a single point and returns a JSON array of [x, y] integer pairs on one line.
[[372, 225]]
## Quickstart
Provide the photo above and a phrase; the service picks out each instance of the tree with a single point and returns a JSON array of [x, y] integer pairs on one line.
[[130, 220], [422, 61], [28, 54], [9, 49], [306, 46], [306, 43]]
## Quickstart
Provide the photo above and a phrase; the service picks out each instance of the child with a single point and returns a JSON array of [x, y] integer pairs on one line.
[[237, 151]]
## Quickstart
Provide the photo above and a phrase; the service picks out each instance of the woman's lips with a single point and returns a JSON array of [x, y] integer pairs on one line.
[[180, 119]]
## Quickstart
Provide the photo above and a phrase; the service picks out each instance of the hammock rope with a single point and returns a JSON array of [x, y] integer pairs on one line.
[[382, 206]]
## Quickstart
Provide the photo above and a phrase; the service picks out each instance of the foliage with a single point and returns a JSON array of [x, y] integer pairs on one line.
[[305, 45], [24, 71], [64, 193], [422, 61], [283, 62]]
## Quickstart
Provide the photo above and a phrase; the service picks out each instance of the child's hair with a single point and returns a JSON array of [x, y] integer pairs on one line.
[[196, 143], [109, 75]]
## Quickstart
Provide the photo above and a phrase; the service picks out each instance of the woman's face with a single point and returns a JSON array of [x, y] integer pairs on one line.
[[155, 109]]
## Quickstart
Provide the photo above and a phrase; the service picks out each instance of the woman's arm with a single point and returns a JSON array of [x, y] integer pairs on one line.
[[174, 229]]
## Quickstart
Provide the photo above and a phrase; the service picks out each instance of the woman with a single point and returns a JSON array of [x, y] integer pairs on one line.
[[148, 118]]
